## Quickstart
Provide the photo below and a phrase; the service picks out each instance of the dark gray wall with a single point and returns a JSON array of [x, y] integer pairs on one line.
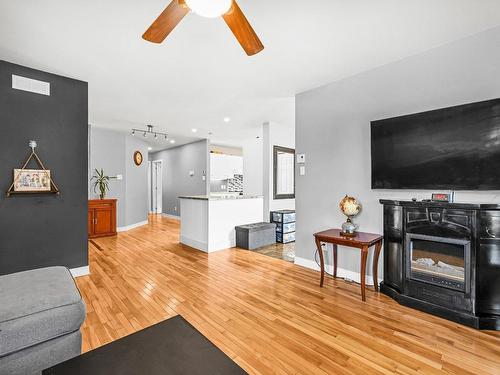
[[177, 162], [43, 230], [333, 130]]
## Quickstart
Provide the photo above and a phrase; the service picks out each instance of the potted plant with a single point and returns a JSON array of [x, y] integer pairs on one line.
[[101, 182]]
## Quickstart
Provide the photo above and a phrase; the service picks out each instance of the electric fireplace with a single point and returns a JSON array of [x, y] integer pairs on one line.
[[444, 259]]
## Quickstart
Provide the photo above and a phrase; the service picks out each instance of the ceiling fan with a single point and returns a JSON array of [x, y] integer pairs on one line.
[[227, 9]]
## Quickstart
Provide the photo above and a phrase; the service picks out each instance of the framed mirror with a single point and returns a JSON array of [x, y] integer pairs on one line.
[[283, 172]]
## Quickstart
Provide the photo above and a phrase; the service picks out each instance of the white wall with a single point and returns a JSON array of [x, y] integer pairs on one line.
[[224, 166], [258, 164], [333, 130], [253, 165], [275, 134]]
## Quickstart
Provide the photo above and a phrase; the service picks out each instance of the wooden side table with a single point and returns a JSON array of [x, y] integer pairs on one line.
[[362, 241]]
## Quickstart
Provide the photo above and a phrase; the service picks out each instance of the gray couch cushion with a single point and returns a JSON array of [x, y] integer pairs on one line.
[[36, 306], [34, 359]]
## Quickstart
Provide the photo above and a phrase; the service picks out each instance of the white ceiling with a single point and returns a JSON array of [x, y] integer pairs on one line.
[[199, 74]]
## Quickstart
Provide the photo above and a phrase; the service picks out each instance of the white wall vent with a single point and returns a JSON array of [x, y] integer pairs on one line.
[[31, 85]]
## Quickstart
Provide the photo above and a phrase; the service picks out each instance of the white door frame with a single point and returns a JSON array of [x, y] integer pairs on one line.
[[150, 198], [156, 186]]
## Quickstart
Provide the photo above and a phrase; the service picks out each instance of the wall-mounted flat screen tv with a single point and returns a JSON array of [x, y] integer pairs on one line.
[[456, 148]]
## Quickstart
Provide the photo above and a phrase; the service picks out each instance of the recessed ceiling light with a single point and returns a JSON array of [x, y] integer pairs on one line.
[[172, 141], [194, 130], [150, 148], [227, 119]]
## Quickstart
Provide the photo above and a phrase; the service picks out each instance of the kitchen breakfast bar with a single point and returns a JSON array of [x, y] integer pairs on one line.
[[208, 221]]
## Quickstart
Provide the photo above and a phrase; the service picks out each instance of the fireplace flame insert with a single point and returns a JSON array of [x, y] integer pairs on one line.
[[440, 261]]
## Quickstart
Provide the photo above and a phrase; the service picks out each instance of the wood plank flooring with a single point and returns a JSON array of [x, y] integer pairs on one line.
[[279, 251], [269, 315]]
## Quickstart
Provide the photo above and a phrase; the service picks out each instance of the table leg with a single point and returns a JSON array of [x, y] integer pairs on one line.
[[334, 260], [364, 255], [321, 261], [378, 247]]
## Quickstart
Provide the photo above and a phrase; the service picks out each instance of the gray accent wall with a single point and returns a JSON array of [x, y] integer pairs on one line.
[[113, 151], [40, 230], [107, 151], [136, 182], [333, 130], [177, 162]]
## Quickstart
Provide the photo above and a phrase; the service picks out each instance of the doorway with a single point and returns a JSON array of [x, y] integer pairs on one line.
[[156, 187]]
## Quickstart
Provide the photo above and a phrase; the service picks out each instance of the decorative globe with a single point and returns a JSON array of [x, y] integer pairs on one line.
[[350, 207]]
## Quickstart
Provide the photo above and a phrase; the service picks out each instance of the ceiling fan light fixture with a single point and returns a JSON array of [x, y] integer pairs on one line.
[[209, 8]]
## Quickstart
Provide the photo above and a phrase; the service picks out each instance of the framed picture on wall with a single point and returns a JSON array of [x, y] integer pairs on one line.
[[31, 180]]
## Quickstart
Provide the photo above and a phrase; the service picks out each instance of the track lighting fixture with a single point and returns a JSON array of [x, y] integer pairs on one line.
[[149, 132]]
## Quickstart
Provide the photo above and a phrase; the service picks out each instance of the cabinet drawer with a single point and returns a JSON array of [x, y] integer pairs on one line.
[[285, 228], [283, 216], [285, 237]]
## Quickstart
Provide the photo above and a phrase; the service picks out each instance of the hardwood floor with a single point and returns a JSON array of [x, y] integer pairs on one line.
[[269, 315], [279, 251]]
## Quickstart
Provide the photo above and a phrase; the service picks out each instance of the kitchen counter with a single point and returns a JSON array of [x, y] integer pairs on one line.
[[219, 197], [207, 222]]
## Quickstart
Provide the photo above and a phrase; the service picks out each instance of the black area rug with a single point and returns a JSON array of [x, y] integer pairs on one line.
[[171, 347]]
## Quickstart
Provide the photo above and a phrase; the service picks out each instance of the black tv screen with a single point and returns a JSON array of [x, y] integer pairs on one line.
[[456, 148]]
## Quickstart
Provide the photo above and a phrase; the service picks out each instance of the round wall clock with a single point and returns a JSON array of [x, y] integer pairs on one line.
[[137, 158]]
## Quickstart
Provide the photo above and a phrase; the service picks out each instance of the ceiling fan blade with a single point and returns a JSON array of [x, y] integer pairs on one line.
[[166, 21], [242, 30]]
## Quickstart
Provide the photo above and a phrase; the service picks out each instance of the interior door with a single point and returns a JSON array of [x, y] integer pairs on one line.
[[102, 221], [153, 188]]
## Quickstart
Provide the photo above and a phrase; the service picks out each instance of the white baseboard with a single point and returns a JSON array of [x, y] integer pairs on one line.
[[341, 272], [198, 245], [168, 216], [132, 226], [80, 271], [205, 247], [221, 245]]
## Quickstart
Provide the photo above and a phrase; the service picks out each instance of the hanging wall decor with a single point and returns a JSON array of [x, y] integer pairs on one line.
[[138, 158], [27, 181]]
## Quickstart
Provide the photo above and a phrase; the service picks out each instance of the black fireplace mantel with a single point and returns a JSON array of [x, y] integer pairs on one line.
[[475, 227], [457, 205]]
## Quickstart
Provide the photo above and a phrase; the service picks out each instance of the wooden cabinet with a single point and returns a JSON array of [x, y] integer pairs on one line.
[[101, 218]]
